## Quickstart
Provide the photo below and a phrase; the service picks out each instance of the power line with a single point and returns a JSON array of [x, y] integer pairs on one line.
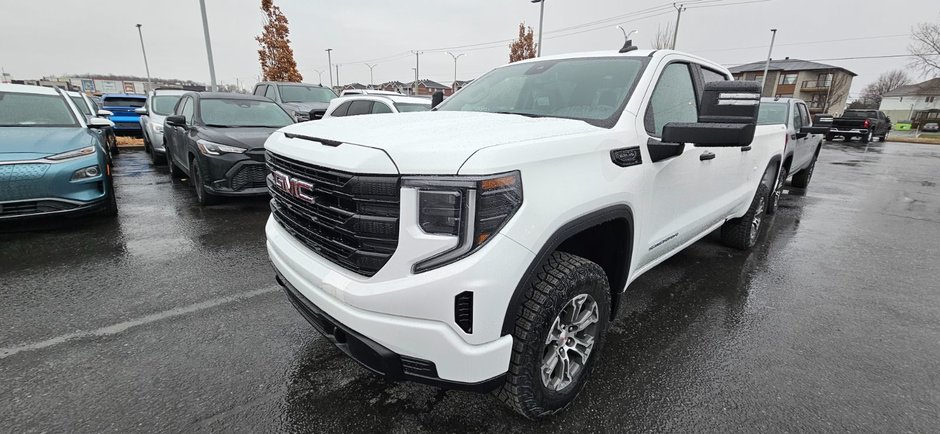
[[884, 56], [711, 50]]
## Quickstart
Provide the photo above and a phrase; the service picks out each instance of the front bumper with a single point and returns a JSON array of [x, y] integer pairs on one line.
[[413, 316], [31, 189], [235, 174]]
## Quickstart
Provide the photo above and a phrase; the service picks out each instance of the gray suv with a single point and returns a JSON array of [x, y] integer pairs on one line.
[[303, 101]]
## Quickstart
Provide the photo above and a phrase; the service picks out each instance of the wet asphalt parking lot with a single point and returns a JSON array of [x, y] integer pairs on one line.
[[168, 319]]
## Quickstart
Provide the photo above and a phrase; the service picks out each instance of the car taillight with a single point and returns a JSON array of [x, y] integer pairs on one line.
[[865, 124]]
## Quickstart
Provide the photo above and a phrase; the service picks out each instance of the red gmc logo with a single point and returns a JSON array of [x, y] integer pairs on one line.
[[299, 189]]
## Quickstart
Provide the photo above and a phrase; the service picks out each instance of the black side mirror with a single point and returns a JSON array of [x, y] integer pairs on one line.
[[437, 98], [176, 120], [317, 114], [728, 117]]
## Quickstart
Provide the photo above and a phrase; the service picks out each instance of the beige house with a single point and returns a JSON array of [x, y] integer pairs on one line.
[[825, 88]]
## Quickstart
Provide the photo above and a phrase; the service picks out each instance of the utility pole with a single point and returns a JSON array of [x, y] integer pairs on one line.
[[455, 61], [417, 68], [205, 30], [414, 87], [337, 75], [675, 33], [329, 58], [773, 36], [146, 65], [371, 77], [538, 48], [319, 76]]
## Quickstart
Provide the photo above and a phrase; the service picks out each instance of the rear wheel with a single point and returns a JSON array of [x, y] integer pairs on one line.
[[741, 233], [204, 197], [175, 172], [803, 177], [866, 138], [557, 337], [829, 137], [156, 158]]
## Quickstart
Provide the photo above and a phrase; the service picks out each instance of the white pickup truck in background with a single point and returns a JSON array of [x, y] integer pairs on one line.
[[485, 245]]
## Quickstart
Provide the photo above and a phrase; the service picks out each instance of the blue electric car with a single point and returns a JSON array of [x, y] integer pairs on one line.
[[52, 161], [122, 107]]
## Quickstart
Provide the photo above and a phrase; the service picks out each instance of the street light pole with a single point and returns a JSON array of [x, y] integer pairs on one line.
[[337, 74], [675, 33], [319, 76], [763, 81], [538, 48], [414, 86], [146, 65], [371, 77], [329, 59], [455, 63], [205, 30], [417, 68]]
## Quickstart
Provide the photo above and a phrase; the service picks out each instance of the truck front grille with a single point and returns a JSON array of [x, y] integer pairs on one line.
[[352, 220]]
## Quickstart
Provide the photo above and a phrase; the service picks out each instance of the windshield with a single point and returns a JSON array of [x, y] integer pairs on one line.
[[405, 107], [301, 93], [860, 114], [773, 113], [32, 110], [243, 113], [117, 101], [164, 104], [80, 103], [594, 89]]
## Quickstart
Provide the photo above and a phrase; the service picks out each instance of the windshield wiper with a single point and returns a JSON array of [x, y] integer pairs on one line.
[[220, 126], [528, 115]]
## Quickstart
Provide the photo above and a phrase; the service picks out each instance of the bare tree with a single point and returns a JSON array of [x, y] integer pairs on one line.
[[838, 88], [925, 47], [524, 47], [885, 83], [663, 38]]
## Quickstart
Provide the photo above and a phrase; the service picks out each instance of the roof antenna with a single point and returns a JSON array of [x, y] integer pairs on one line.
[[628, 44]]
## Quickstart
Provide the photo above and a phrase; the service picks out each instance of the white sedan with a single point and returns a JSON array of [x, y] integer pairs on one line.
[[375, 104]]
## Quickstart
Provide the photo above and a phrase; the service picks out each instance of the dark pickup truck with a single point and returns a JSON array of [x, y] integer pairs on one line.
[[864, 124]]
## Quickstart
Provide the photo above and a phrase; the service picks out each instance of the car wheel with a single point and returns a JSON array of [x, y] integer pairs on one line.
[[866, 138], [778, 192], [803, 177], [558, 334], [156, 158], [829, 137], [113, 144], [741, 233], [175, 172], [111, 209], [203, 196]]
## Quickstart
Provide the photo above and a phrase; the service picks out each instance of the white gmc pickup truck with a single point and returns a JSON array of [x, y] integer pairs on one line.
[[485, 245]]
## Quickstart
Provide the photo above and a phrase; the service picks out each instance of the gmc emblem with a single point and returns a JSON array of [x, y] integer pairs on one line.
[[302, 190]]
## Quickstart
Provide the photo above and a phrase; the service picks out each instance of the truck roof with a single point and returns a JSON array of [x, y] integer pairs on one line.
[[616, 53]]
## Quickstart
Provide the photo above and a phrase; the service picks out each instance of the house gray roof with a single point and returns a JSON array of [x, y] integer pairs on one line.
[[928, 88], [786, 64], [430, 84]]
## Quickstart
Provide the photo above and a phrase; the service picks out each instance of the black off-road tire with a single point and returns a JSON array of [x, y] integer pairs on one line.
[[204, 197], [803, 177], [557, 281], [741, 233], [829, 137], [866, 138], [774, 199]]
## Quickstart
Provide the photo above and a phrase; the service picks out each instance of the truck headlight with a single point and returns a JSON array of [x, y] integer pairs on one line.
[[88, 150], [301, 116], [472, 208], [210, 148]]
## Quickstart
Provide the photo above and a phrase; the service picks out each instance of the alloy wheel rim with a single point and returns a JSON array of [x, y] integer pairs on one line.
[[755, 222], [569, 343]]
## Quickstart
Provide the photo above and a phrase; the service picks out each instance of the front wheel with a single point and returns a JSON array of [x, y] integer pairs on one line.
[[174, 170], [559, 331], [203, 196], [778, 191]]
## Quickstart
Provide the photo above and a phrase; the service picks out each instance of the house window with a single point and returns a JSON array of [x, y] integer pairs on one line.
[[929, 99], [788, 78]]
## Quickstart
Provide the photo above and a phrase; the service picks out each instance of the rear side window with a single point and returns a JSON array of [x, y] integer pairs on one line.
[[32, 110], [269, 93], [341, 110], [360, 107], [260, 90], [379, 108], [673, 100]]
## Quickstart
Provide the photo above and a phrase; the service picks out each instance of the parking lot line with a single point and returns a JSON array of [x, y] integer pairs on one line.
[[122, 326]]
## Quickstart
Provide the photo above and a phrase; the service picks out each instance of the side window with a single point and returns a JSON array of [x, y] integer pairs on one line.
[[709, 76], [269, 93], [187, 111], [359, 107], [259, 89], [804, 115], [673, 99], [341, 110], [381, 107], [797, 118]]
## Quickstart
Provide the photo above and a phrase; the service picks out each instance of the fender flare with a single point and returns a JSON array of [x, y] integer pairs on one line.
[[567, 230]]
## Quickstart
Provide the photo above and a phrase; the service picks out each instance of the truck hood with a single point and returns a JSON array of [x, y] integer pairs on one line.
[[27, 143], [436, 142], [248, 138], [305, 106]]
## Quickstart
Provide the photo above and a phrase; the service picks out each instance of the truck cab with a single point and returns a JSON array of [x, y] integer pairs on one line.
[[803, 141], [485, 245]]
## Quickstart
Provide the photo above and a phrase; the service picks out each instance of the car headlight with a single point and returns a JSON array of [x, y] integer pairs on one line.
[[88, 150], [210, 148], [301, 116], [472, 208], [158, 128], [86, 172]]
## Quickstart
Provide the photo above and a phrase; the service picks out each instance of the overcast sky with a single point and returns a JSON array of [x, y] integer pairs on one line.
[[53, 37]]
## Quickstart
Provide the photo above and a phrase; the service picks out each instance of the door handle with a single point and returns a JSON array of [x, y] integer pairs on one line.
[[706, 156], [745, 148]]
